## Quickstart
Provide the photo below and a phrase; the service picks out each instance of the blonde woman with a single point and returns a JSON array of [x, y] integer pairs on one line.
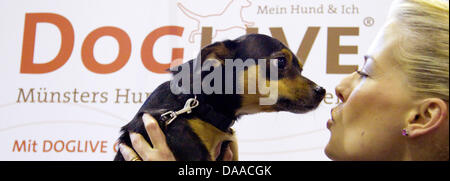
[[394, 108]]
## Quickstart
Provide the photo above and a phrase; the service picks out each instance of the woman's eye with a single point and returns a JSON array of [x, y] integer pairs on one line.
[[280, 62]]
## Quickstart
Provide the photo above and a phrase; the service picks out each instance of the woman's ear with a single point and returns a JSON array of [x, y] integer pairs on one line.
[[430, 115]]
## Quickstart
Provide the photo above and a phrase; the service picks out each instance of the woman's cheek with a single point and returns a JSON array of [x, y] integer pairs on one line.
[[357, 105], [370, 123]]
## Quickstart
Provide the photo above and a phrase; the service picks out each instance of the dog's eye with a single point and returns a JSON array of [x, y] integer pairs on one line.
[[280, 62]]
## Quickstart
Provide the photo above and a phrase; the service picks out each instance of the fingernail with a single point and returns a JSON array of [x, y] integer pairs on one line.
[[147, 118], [132, 135], [121, 149], [149, 121]]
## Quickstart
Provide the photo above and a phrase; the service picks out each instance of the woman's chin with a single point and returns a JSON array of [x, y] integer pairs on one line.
[[330, 152]]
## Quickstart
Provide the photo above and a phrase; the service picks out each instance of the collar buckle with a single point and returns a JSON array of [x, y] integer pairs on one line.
[[169, 116]]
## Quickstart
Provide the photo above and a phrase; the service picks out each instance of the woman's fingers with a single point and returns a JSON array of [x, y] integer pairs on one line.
[[141, 146], [154, 132], [160, 150], [128, 153]]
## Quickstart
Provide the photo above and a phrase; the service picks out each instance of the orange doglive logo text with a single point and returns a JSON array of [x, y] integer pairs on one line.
[[28, 66], [87, 55]]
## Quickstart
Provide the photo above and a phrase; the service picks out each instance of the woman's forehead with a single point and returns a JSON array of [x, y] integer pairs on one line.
[[382, 48], [384, 38]]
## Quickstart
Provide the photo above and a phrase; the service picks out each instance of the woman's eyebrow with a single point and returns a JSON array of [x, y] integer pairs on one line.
[[374, 67], [367, 58]]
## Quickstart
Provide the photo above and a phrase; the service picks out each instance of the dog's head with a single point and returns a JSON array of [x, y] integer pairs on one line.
[[257, 71]]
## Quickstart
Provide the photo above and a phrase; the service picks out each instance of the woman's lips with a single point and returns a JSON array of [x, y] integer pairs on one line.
[[329, 123], [331, 120], [218, 149]]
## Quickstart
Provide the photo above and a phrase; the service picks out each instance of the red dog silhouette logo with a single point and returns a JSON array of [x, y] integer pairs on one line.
[[229, 18]]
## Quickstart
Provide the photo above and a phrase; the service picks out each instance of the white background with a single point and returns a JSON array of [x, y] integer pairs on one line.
[[268, 136]]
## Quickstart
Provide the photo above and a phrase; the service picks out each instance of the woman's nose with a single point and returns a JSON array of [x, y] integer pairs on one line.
[[343, 89], [339, 94]]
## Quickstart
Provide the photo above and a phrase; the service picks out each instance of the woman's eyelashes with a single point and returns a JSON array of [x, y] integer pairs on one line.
[[362, 74]]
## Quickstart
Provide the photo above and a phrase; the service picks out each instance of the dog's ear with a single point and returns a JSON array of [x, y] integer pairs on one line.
[[177, 69], [218, 51], [215, 54]]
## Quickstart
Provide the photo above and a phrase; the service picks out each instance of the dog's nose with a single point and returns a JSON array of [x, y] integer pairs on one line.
[[319, 90]]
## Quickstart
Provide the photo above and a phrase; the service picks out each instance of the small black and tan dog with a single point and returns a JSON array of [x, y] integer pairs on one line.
[[197, 126]]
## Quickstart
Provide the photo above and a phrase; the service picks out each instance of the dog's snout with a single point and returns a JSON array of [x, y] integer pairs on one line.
[[320, 91]]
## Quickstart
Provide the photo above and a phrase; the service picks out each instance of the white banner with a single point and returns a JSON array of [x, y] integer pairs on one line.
[[73, 72]]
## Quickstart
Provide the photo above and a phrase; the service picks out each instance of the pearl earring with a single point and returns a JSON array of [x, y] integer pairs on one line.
[[405, 132]]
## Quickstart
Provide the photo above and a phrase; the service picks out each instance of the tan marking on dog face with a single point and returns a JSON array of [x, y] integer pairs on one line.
[[289, 88], [290, 56], [216, 51], [251, 100], [287, 54], [211, 136], [294, 89]]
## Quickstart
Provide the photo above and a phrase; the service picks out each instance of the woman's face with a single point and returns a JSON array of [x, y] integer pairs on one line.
[[375, 103]]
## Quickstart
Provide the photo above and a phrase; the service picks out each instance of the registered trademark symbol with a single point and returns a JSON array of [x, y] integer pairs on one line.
[[369, 21]]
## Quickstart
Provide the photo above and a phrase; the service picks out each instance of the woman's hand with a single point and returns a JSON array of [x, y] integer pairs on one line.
[[160, 151]]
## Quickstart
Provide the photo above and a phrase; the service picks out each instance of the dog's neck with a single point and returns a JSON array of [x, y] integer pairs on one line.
[[223, 104], [218, 110]]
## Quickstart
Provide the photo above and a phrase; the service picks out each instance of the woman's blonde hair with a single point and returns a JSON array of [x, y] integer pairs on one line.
[[423, 51]]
